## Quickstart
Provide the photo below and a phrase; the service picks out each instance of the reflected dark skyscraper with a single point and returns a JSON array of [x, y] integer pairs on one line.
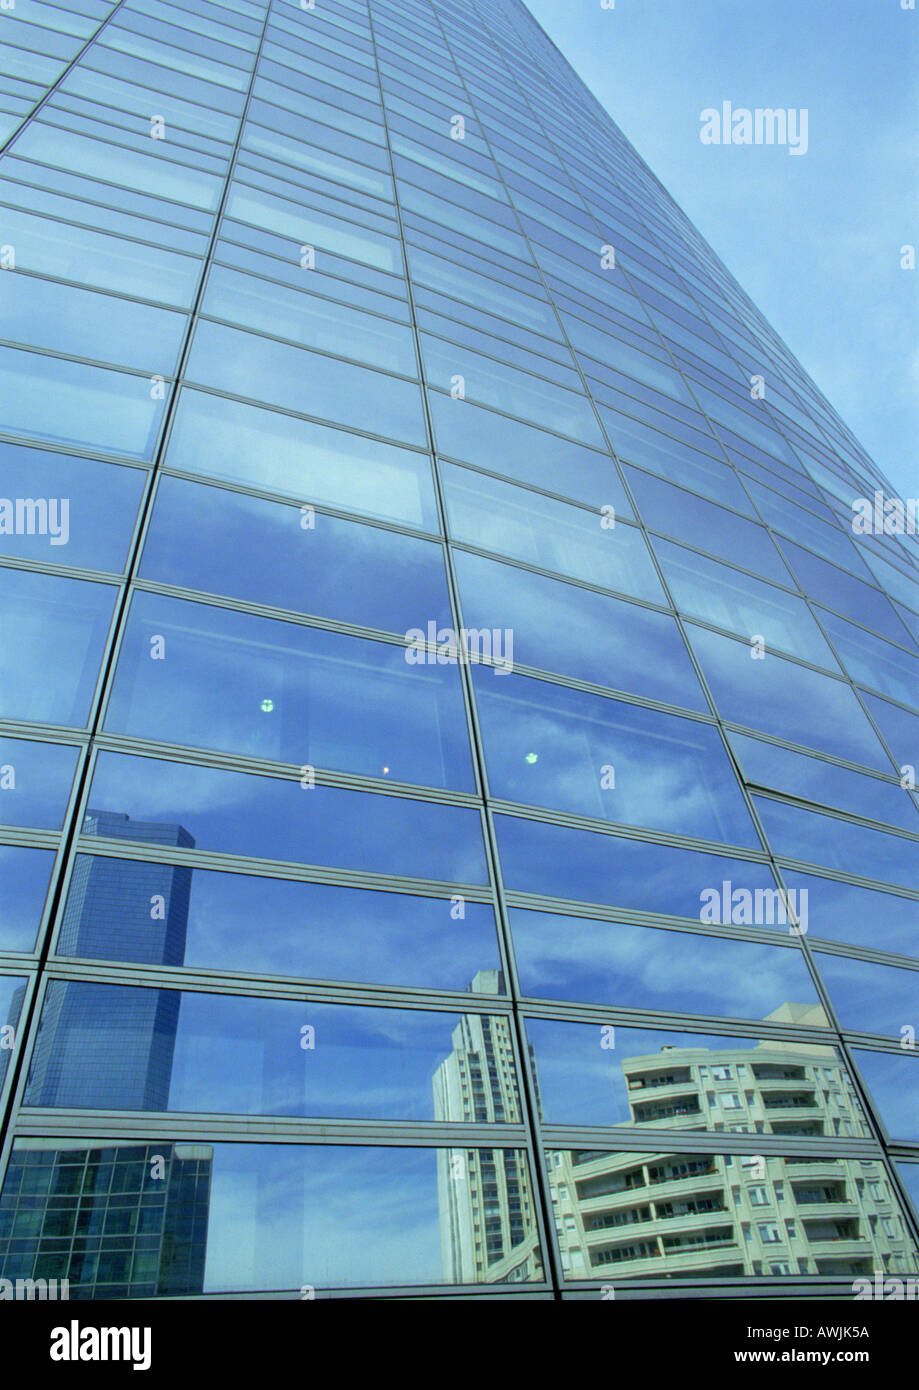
[[149, 904], [131, 1220], [345, 329]]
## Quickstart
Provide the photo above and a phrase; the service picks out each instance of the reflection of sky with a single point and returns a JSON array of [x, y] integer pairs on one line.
[[802, 834], [670, 773], [284, 1216], [243, 1055], [275, 818], [869, 997], [333, 700], [589, 866], [24, 875], [637, 967], [43, 775], [274, 926], [892, 1080], [790, 701], [843, 912], [575, 632], [334, 569]]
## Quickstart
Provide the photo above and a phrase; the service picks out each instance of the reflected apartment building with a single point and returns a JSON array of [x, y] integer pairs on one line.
[[691, 1215], [328, 334]]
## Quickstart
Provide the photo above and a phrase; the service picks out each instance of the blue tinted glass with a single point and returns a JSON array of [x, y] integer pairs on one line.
[[35, 781], [326, 467], [566, 749], [870, 997], [43, 613], [874, 662], [575, 632], [289, 820], [71, 403], [97, 258], [65, 510], [223, 542], [240, 1218], [689, 518], [552, 535], [784, 699], [838, 589], [41, 313], [589, 866], [861, 916], [899, 728], [723, 596], [811, 779], [278, 374], [291, 1057], [23, 887], [517, 450], [614, 963], [309, 930], [892, 1084], [288, 693], [12, 995], [800, 834]]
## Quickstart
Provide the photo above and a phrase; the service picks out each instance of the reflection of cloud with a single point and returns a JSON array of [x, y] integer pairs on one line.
[[285, 1216], [620, 964]]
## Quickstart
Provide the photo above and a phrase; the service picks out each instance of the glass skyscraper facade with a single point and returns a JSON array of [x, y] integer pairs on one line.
[[457, 737]]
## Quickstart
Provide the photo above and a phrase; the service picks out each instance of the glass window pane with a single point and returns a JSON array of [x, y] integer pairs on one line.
[[43, 613], [695, 1215], [822, 713], [308, 930], [541, 531], [35, 782], [575, 632], [861, 916], [643, 1076], [871, 997], [290, 1056], [718, 594], [72, 403], [585, 754], [23, 887], [304, 561], [238, 1218], [246, 364], [589, 866], [812, 779], [83, 323], [892, 1082], [589, 961], [289, 693], [66, 510], [690, 518], [326, 467], [284, 819], [798, 833]]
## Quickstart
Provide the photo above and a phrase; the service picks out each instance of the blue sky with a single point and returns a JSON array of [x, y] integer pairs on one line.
[[815, 239]]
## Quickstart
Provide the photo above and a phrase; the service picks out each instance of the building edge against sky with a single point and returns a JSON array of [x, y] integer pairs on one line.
[[339, 957]]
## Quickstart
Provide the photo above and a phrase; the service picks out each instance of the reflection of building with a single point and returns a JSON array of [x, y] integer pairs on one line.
[[125, 1221], [694, 1213], [117, 1222], [147, 903], [486, 1201]]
